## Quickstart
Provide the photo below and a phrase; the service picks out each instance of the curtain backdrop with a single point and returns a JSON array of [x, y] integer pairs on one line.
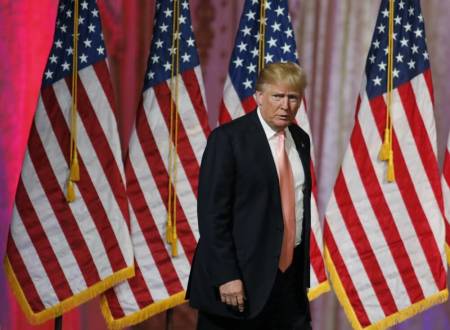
[[333, 38]]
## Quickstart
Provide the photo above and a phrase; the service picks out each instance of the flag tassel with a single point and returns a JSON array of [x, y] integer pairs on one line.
[[75, 169], [70, 196], [384, 151]]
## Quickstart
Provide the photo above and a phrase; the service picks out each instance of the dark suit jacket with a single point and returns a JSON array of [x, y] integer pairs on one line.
[[240, 218]]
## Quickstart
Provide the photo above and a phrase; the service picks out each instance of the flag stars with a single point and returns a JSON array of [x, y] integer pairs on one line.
[[272, 42], [182, 19], [65, 66], [242, 47], [414, 49], [420, 17], [411, 65], [63, 28], [279, 11], [286, 48], [247, 84], [238, 62], [186, 57], [101, 50], [251, 68], [268, 58], [83, 58], [385, 12], [407, 27], [53, 59], [164, 27], [401, 5], [395, 73], [418, 33], [398, 20], [376, 44], [69, 13], [288, 33], [48, 74], [411, 11], [185, 5], [190, 42], [404, 42], [58, 43], [167, 66], [372, 59], [87, 43], [168, 12], [150, 75], [246, 30], [84, 5], [381, 28], [94, 13], [250, 15], [155, 59], [399, 58], [267, 5], [254, 52], [377, 81], [69, 51], [159, 43], [382, 66], [425, 55], [80, 20], [276, 26], [386, 51], [91, 28]]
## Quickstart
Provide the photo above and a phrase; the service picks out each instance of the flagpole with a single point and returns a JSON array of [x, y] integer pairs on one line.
[[58, 323]]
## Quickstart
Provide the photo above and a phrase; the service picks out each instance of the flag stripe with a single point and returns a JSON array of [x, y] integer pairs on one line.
[[409, 195], [23, 276], [85, 188], [345, 277], [359, 237], [383, 214], [43, 247], [104, 80]]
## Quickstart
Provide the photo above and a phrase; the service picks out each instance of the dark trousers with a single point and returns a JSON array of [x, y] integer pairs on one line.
[[286, 309]]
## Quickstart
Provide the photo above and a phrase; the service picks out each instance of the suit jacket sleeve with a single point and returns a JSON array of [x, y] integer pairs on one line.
[[215, 208]]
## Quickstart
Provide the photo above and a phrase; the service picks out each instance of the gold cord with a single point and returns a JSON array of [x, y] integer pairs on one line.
[[390, 170], [262, 34]]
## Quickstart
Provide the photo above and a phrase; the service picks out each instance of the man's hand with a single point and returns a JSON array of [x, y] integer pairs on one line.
[[232, 293]]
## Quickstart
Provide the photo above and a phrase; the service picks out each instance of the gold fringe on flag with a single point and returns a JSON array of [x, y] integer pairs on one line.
[[262, 35]]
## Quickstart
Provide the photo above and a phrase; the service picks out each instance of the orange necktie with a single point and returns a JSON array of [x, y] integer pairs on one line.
[[287, 193]]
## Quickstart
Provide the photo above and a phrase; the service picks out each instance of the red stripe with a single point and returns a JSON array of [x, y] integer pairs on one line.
[[317, 260], [362, 245], [249, 104], [224, 114], [380, 207], [193, 89], [102, 72], [185, 152], [42, 245], [86, 187], [102, 149], [23, 277], [160, 175], [149, 230], [429, 82], [344, 276], [141, 292], [61, 209], [114, 305], [412, 202], [423, 143]]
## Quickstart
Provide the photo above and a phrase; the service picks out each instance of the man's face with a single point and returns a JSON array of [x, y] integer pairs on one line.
[[279, 104]]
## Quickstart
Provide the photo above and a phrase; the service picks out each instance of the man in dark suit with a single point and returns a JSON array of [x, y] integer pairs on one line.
[[251, 266]]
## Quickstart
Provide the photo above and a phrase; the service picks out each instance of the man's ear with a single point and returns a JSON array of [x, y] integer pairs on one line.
[[258, 96]]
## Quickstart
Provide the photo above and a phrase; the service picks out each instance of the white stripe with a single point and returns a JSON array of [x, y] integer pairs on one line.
[[51, 226], [191, 124], [353, 262], [103, 191], [126, 298], [105, 114], [313, 282], [31, 260], [395, 200], [425, 106], [417, 171], [160, 131], [199, 75], [231, 100], [316, 227], [373, 231]]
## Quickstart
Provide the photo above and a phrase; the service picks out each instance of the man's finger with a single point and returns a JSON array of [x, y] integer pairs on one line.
[[228, 300], [240, 300], [223, 298]]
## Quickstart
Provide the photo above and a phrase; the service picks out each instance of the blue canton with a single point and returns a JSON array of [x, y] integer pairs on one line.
[[159, 66], [279, 43], [410, 50], [91, 47]]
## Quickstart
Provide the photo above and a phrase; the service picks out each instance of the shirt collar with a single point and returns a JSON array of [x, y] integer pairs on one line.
[[269, 131]]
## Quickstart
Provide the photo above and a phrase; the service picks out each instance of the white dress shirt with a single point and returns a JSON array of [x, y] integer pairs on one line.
[[297, 170]]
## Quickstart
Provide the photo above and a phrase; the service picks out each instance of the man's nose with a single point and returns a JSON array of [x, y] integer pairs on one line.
[[284, 102]]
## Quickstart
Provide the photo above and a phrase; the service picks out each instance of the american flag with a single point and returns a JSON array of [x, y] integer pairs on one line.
[[161, 279], [385, 241], [61, 254], [238, 96], [446, 192]]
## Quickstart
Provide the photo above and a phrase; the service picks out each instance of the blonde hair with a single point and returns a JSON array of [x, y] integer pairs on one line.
[[288, 73]]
